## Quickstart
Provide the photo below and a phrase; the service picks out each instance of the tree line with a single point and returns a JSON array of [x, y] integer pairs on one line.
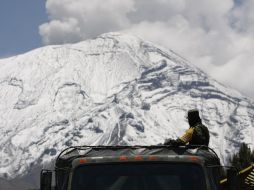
[[243, 158]]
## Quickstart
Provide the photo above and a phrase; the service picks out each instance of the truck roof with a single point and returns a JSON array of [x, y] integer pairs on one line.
[[67, 156]]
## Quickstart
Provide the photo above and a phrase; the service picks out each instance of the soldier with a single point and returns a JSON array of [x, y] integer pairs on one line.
[[197, 134]]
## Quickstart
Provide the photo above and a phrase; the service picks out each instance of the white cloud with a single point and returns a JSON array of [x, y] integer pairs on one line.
[[60, 31], [81, 19], [215, 35]]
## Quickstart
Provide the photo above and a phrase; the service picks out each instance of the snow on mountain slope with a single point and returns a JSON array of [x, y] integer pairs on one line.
[[115, 89]]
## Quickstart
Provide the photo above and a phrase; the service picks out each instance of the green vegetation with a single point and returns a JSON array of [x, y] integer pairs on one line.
[[244, 158]]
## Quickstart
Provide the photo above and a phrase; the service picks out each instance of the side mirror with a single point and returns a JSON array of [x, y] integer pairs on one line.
[[46, 180], [232, 179]]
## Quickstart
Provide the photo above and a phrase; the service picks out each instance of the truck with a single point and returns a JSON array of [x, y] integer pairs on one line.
[[160, 167]]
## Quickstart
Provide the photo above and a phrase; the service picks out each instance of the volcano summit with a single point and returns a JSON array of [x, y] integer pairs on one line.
[[112, 90]]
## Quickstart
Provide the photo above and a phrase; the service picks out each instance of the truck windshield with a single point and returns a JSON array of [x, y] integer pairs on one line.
[[152, 176]]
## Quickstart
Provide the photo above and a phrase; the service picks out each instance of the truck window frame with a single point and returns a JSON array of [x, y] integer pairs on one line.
[[206, 181]]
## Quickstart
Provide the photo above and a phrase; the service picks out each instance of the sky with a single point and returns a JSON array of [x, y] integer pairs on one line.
[[216, 36], [19, 25]]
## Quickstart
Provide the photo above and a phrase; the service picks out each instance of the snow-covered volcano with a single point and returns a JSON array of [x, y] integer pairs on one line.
[[114, 89]]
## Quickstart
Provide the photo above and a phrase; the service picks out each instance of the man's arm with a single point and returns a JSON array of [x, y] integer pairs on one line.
[[187, 136], [183, 140]]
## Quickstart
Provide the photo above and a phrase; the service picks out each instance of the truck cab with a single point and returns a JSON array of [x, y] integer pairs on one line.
[[134, 168]]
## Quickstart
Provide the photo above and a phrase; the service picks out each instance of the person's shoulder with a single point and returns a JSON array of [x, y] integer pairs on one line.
[[200, 125], [197, 125]]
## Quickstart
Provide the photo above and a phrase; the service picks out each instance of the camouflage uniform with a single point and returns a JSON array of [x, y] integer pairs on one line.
[[197, 134]]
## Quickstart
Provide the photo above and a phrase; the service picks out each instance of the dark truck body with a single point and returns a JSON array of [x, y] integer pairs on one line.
[[245, 179], [137, 167]]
